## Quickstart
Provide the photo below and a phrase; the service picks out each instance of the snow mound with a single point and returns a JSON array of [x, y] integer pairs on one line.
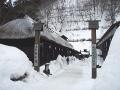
[[13, 62], [109, 75], [58, 64]]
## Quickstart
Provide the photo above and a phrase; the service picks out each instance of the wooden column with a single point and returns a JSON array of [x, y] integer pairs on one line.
[[38, 27], [94, 54], [37, 50], [94, 25]]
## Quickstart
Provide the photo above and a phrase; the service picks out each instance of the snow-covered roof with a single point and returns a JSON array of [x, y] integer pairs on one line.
[[55, 37], [23, 28], [18, 28]]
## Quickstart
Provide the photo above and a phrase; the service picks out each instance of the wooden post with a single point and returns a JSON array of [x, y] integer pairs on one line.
[[47, 70], [38, 27], [37, 50], [94, 54], [94, 25]]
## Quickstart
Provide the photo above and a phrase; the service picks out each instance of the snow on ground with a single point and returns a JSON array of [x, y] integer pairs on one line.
[[11, 60], [15, 64], [73, 77]]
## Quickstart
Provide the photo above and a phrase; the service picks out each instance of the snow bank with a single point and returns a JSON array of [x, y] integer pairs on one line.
[[60, 63], [57, 66], [109, 75], [13, 62]]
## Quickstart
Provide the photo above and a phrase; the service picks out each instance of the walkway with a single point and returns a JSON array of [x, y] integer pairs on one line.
[[76, 76]]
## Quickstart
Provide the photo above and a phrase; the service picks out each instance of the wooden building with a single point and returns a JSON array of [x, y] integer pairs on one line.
[[20, 33]]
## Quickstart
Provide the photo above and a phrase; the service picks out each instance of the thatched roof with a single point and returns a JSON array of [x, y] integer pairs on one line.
[[23, 28], [18, 28], [56, 38]]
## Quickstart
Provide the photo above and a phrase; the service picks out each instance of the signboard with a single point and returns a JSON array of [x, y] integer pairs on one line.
[[94, 56], [94, 24], [38, 26], [36, 58]]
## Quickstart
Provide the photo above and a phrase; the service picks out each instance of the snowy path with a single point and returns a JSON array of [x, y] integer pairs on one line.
[[76, 76]]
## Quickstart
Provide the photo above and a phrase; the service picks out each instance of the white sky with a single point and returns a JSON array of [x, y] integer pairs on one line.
[[12, 1]]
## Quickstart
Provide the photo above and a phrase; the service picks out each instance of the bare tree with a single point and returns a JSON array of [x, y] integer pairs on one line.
[[110, 6]]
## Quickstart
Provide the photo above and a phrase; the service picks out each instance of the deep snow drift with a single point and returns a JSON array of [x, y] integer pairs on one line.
[[109, 75], [13, 62]]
